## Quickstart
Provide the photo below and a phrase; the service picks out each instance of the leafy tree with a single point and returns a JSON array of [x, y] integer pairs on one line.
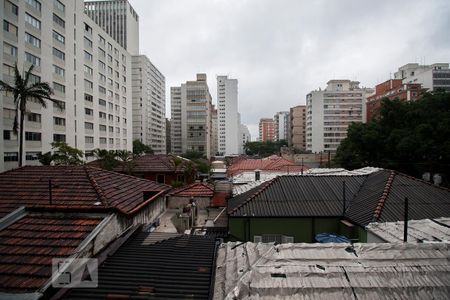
[[264, 149], [107, 158], [24, 90], [64, 155], [127, 160], [411, 137], [140, 148], [46, 158], [192, 154]]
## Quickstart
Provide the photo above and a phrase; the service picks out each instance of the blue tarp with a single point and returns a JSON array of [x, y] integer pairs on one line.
[[331, 238]]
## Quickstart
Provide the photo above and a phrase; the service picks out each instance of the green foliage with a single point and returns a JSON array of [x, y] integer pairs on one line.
[[264, 149], [192, 154], [190, 172], [127, 160], [140, 148], [46, 158], [411, 137], [64, 155], [202, 165], [177, 184], [107, 158]]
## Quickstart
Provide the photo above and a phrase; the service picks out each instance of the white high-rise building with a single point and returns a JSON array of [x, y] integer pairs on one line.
[[329, 112], [228, 119], [175, 122], [149, 104], [244, 136], [118, 19], [89, 71], [432, 77], [281, 120]]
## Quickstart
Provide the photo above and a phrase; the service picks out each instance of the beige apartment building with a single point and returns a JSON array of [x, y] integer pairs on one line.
[[297, 134]]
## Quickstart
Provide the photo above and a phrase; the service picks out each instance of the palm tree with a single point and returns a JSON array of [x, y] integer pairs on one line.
[[24, 91]]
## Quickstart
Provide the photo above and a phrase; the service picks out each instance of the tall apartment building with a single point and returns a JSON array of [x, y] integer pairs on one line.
[[331, 111], [244, 135], [89, 71], [168, 140], [191, 117], [266, 130], [149, 104], [391, 89], [214, 131], [228, 116], [297, 134], [431, 77], [175, 122], [118, 19], [281, 120]]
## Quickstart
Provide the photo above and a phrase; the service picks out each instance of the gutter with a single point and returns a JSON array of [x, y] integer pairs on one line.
[[137, 208], [11, 218]]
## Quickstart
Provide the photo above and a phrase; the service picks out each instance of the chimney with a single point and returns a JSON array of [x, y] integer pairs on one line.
[[257, 175]]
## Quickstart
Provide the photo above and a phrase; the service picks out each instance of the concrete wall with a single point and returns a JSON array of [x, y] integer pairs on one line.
[[180, 202]]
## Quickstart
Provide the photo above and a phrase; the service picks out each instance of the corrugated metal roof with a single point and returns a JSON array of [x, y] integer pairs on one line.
[[147, 267], [332, 271], [418, 230], [296, 196]]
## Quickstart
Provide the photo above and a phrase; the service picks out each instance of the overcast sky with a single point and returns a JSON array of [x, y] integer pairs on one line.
[[279, 50]]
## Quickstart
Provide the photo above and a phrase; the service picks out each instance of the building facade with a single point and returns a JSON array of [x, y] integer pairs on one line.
[[175, 121], [228, 116], [329, 112], [432, 77], [149, 104], [118, 19], [281, 120], [297, 131], [245, 137], [266, 130], [168, 139], [214, 132], [391, 89], [88, 70]]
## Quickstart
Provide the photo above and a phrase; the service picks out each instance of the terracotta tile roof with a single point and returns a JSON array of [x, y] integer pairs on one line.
[[197, 189], [220, 199], [28, 246], [271, 163], [74, 188], [155, 163]]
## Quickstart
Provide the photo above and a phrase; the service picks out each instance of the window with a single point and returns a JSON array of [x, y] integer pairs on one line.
[[60, 38], [33, 21], [34, 60], [102, 140], [32, 136], [102, 52], [88, 98], [87, 56], [88, 70], [32, 155], [35, 4], [60, 6], [59, 121], [110, 81], [11, 156], [59, 21], [124, 58], [59, 137], [88, 84], [59, 54], [58, 70], [8, 135], [10, 49], [101, 40], [88, 112], [59, 87], [160, 178], [87, 28], [88, 125], [102, 127], [32, 117], [88, 42], [14, 8], [61, 105], [8, 27], [102, 65], [89, 139], [31, 39], [102, 77], [34, 79], [101, 89], [109, 47], [102, 115], [110, 71], [111, 129], [101, 102]]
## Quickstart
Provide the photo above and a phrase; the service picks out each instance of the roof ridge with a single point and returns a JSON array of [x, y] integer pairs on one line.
[[266, 185], [359, 190], [384, 196], [96, 186], [423, 181]]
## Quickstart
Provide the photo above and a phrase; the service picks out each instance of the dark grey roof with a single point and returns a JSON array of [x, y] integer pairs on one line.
[[377, 197], [147, 268], [296, 196]]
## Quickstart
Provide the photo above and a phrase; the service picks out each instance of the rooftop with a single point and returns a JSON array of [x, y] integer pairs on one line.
[[197, 189], [332, 271], [271, 163], [80, 188]]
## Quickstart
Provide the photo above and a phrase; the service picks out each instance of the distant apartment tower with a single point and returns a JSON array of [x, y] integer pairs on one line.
[[88, 70], [266, 130], [297, 134], [281, 120], [244, 135], [432, 77], [118, 19], [214, 132], [175, 126], [331, 111], [168, 140], [227, 112], [149, 104], [391, 89]]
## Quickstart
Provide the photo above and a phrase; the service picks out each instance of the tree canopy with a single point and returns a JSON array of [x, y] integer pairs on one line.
[[411, 137], [141, 148], [264, 149]]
